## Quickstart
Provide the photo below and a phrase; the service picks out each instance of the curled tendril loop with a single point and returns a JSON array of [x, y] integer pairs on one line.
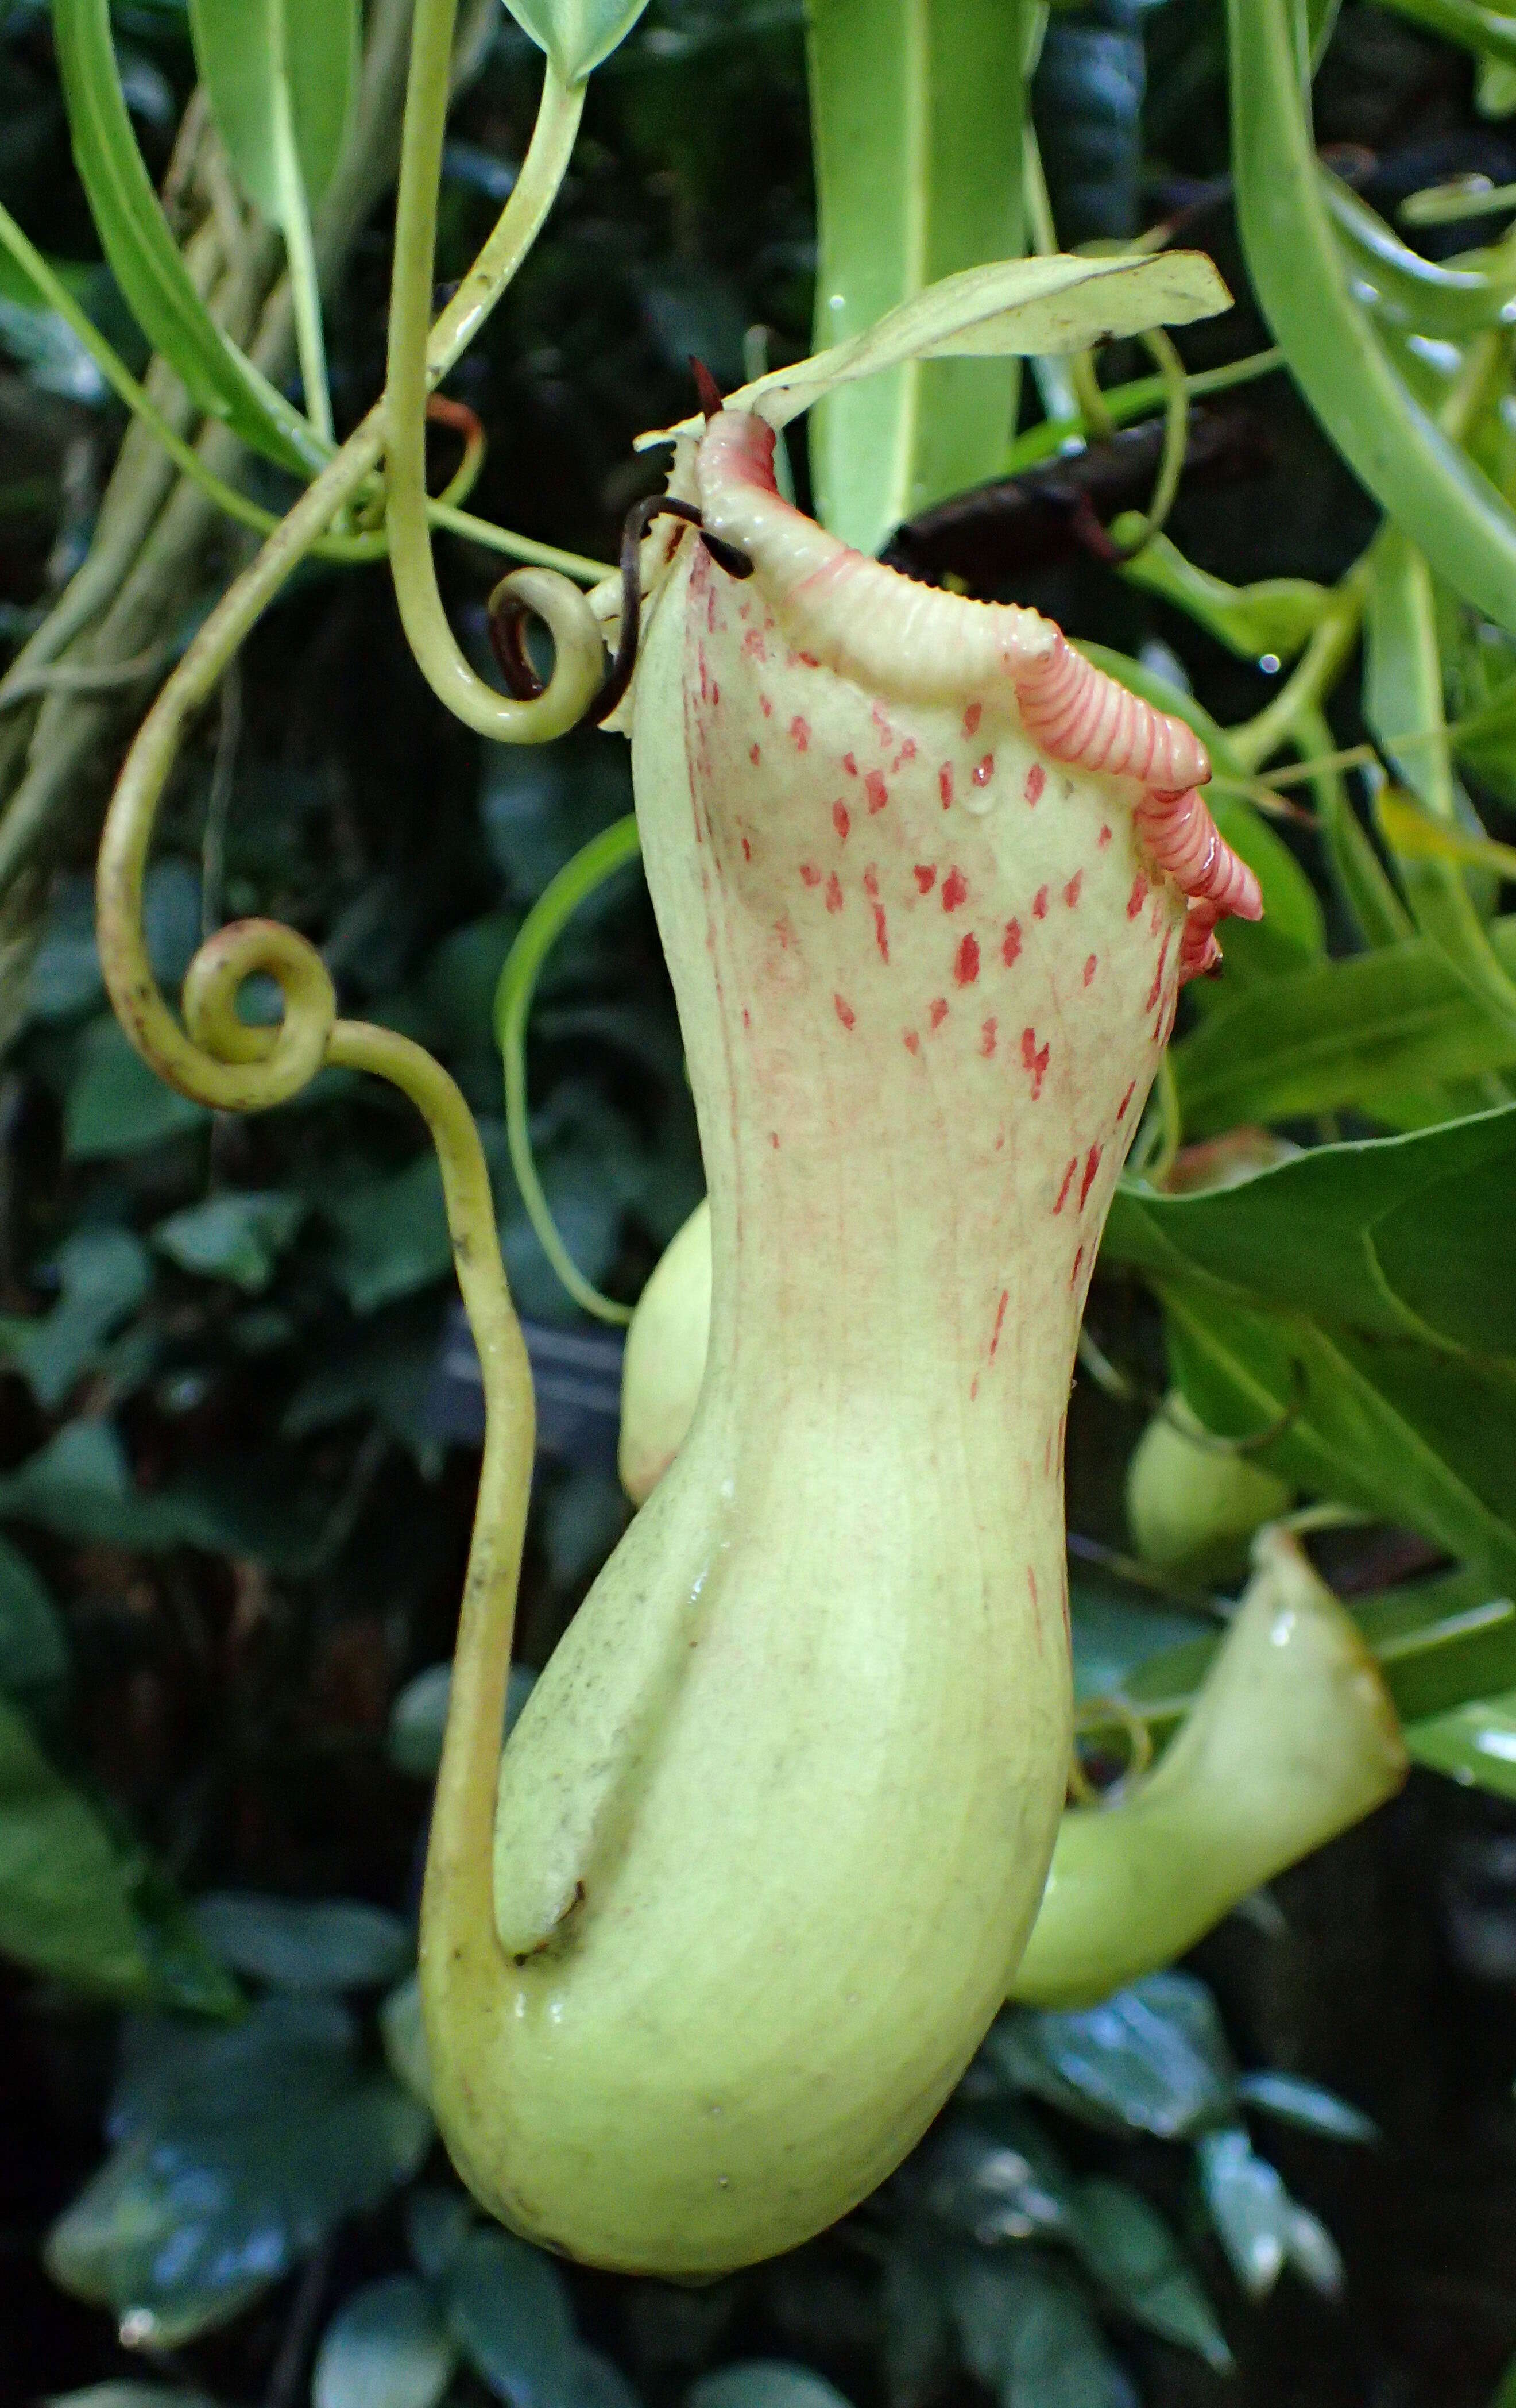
[[277, 1061], [510, 606], [568, 696], [1102, 1715]]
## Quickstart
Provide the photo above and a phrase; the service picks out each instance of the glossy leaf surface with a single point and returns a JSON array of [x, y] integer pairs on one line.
[[234, 2152]]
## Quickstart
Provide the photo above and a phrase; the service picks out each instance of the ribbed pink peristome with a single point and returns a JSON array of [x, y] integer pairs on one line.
[[896, 637], [1080, 715]]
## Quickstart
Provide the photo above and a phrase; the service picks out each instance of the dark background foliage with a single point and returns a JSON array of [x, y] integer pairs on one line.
[[280, 1376]]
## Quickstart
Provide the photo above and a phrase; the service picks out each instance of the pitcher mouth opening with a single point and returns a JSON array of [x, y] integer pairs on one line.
[[896, 637]]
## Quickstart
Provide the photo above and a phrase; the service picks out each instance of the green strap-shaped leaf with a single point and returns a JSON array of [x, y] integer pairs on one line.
[[1410, 467], [1403, 703], [146, 261], [1380, 1034], [915, 118], [244, 50]]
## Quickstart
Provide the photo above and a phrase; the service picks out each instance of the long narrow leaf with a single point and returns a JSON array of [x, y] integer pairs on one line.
[[146, 261], [243, 50], [916, 110]]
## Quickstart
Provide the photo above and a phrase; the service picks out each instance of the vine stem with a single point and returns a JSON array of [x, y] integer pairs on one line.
[[588, 868], [430, 638], [222, 1061]]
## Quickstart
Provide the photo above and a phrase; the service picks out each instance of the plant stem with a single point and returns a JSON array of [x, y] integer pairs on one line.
[[300, 250], [1319, 666], [1125, 402], [590, 868], [431, 640]]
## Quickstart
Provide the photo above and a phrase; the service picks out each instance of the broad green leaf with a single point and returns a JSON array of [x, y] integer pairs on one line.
[[135, 235], [764, 2382], [1013, 308], [393, 1235], [1152, 2059], [577, 34], [34, 1645], [508, 2309], [1028, 2336], [381, 1367], [1248, 2206], [102, 1274], [1379, 1033], [1130, 2250], [1420, 1438], [235, 2151], [232, 1237], [1474, 1744], [437, 2222], [915, 118], [1293, 2100], [1358, 1295], [386, 2347], [333, 1943], [244, 50], [1260, 2228], [115, 1104], [66, 1906]]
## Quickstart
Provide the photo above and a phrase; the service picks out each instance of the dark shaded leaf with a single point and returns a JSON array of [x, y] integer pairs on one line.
[[386, 2347], [34, 1645], [1154, 2058], [115, 1104], [104, 1274], [764, 2382], [65, 1905], [316, 1944], [1131, 2250], [234, 2152], [1291, 2100], [232, 1237], [508, 2309]]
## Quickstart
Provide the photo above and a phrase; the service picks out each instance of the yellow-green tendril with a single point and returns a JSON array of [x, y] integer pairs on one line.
[[579, 663], [1175, 431], [590, 866]]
